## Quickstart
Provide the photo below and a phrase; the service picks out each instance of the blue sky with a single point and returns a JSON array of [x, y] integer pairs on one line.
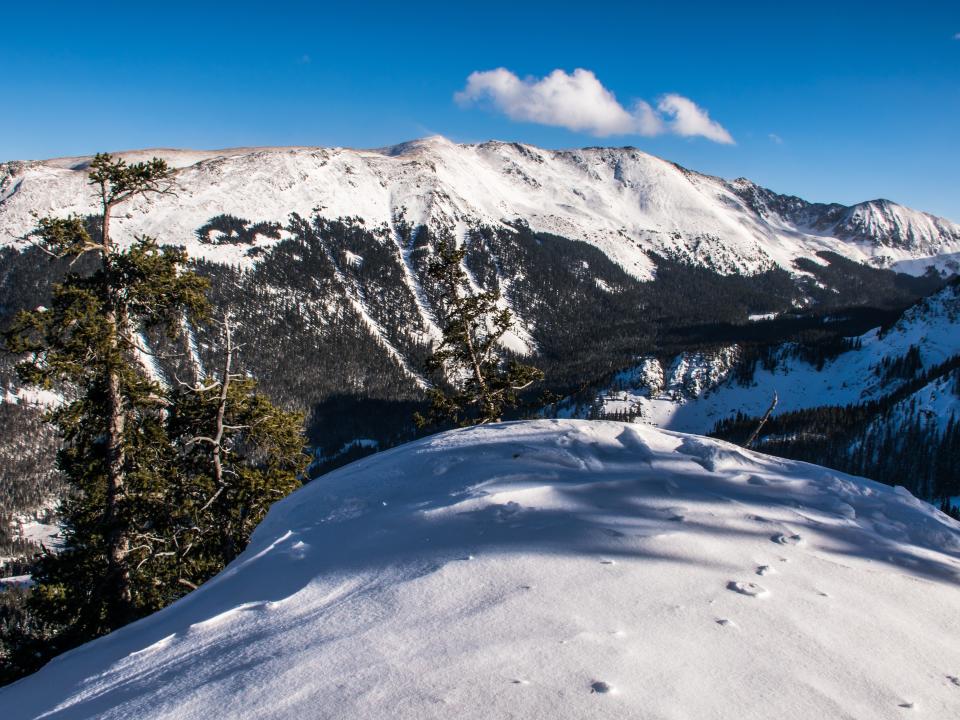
[[841, 101]]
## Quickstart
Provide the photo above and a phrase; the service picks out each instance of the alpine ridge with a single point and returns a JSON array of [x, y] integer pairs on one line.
[[621, 200]]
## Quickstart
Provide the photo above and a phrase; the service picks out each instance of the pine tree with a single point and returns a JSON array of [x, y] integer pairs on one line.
[[237, 455], [166, 484], [115, 454], [483, 382]]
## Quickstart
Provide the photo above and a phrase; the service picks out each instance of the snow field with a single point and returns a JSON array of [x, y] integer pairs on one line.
[[563, 569]]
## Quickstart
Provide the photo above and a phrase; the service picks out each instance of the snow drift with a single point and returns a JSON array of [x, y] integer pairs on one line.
[[561, 569]]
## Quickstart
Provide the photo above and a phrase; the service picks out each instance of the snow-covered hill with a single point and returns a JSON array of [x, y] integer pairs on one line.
[[697, 389], [621, 200], [559, 569]]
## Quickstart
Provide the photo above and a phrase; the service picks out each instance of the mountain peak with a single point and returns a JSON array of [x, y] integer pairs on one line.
[[429, 142]]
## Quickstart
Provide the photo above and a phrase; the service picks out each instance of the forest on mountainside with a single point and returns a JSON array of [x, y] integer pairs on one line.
[[329, 320], [888, 440]]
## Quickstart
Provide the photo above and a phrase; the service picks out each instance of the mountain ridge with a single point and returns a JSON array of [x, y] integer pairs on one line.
[[624, 201]]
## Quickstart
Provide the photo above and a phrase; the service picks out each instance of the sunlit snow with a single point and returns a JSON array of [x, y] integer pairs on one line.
[[551, 569]]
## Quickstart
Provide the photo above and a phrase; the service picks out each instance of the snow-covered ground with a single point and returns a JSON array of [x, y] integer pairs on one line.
[[552, 569], [623, 201], [15, 581], [38, 527]]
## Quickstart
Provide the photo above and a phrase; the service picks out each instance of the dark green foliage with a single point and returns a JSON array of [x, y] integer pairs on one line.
[[23, 636], [851, 283], [234, 230], [237, 455], [900, 368], [85, 343], [154, 505], [27, 475], [483, 383]]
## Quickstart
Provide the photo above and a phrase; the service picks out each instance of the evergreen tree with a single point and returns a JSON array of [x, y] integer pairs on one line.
[[115, 455], [165, 485], [237, 455], [483, 381]]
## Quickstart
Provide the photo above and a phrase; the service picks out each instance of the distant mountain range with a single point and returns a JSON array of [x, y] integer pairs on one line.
[[623, 201]]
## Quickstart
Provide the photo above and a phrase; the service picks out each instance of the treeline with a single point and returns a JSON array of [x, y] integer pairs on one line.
[[27, 476]]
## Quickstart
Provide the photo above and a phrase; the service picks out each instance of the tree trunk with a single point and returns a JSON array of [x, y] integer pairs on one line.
[[118, 542], [222, 407], [763, 421]]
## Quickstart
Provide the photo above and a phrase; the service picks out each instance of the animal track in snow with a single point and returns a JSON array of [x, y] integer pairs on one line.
[[608, 562], [599, 686], [954, 679], [766, 570], [784, 539], [748, 588], [725, 622]]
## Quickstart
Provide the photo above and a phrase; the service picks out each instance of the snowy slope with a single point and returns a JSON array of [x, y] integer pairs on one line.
[[552, 569], [621, 200], [697, 389]]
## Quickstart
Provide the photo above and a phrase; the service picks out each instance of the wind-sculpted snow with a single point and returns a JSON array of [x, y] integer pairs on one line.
[[621, 200], [560, 569]]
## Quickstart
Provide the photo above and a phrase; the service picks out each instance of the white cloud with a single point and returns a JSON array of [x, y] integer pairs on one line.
[[956, 36], [579, 101], [774, 138], [690, 120]]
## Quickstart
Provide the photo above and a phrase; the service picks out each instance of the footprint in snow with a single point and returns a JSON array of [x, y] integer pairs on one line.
[[725, 622], [748, 588], [784, 539], [518, 681], [954, 679], [608, 562], [766, 570], [599, 686], [907, 705]]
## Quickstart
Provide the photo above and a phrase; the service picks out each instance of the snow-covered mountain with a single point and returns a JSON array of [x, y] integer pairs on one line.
[[697, 389], [559, 569], [885, 404], [623, 201], [603, 255]]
